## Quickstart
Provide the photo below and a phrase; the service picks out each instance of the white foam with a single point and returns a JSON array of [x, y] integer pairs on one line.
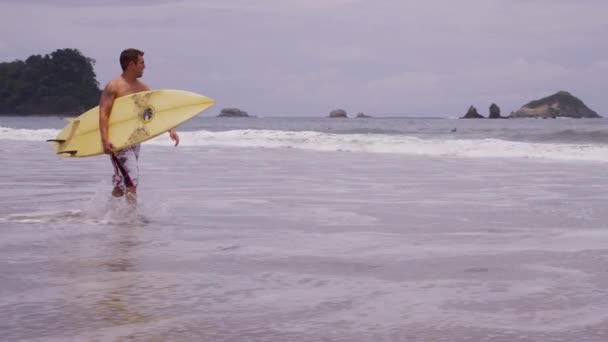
[[370, 143], [398, 144], [27, 134]]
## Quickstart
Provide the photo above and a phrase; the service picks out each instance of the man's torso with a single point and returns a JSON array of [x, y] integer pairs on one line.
[[123, 88]]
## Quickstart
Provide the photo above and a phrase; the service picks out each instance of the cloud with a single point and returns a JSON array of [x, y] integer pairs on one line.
[[392, 57], [234, 5], [601, 65], [78, 3]]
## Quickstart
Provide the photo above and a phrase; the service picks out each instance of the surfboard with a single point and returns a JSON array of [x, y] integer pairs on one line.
[[134, 119]]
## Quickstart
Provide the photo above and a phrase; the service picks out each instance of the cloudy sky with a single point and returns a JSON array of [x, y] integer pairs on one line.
[[307, 57]]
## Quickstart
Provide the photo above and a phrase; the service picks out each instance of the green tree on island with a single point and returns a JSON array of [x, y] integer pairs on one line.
[[62, 82]]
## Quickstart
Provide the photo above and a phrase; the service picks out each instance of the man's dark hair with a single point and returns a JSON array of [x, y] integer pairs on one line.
[[129, 55]]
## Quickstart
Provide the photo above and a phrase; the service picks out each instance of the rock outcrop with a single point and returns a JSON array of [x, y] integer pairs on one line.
[[338, 113], [561, 104], [233, 113], [495, 112], [362, 115], [472, 114]]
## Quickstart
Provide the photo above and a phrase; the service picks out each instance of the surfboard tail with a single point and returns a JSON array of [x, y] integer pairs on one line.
[[63, 142], [71, 153]]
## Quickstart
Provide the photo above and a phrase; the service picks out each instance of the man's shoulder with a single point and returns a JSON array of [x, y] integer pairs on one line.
[[120, 87], [114, 83], [142, 86], [119, 81]]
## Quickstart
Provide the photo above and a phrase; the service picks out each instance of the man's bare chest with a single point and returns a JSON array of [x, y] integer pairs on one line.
[[124, 90]]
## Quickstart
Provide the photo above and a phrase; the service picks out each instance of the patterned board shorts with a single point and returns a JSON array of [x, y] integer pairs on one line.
[[126, 170]]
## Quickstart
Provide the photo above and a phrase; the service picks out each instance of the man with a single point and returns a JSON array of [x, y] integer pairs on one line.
[[126, 171]]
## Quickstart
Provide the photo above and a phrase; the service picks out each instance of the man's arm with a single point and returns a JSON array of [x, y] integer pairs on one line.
[[108, 95], [174, 136]]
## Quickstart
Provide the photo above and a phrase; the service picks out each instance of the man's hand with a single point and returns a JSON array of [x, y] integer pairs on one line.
[[174, 136], [108, 148]]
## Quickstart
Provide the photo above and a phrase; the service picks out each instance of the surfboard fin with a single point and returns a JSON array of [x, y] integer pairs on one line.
[[71, 152], [56, 140]]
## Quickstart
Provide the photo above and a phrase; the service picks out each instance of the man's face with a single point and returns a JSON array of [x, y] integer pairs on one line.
[[139, 66]]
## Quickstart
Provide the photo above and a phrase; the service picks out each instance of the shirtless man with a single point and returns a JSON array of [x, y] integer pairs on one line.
[[126, 171]]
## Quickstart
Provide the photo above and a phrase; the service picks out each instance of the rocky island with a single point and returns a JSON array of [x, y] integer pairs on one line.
[[338, 113], [472, 114], [559, 105], [495, 112], [233, 113]]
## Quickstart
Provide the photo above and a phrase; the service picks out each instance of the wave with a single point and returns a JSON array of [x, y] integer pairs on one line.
[[575, 136], [27, 134], [369, 131], [367, 143]]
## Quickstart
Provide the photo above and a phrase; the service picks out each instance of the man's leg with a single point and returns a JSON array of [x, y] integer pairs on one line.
[[131, 194], [117, 179], [126, 164]]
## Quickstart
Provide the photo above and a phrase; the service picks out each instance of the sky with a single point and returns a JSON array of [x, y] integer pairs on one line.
[[430, 58]]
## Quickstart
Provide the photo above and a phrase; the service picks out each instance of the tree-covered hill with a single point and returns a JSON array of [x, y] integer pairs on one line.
[[62, 82]]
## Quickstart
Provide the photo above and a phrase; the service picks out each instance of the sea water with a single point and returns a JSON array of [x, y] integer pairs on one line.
[[311, 229]]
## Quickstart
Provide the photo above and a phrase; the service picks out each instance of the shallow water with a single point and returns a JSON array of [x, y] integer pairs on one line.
[[254, 244]]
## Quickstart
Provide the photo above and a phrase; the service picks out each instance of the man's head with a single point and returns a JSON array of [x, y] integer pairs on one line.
[[132, 60]]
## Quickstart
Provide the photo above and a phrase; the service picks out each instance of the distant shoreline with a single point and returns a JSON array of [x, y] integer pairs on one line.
[[61, 116]]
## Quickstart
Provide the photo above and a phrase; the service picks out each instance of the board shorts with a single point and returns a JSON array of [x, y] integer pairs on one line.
[[126, 170]]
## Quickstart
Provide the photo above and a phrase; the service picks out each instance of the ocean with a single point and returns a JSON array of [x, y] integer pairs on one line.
[[311, 229]]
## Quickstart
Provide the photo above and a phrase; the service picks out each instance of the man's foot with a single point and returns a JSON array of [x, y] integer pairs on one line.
[[131, 195], [117, 192]]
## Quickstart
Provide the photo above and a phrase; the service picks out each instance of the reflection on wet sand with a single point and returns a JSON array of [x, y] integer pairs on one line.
[[119, 305]]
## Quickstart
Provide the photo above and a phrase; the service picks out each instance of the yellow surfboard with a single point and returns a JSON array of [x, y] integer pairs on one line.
[[135, 118]]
